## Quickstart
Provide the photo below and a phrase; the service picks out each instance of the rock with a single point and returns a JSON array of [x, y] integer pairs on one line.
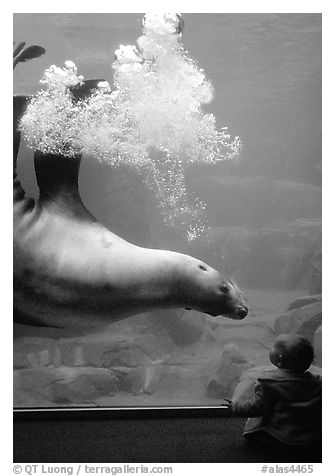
[[84, 384], [304, 321], [137, 380], [226, 376], [318, 346], [65, 385], [182, 327], [255, 201], [246, 385], [106, 350], [23, 398], [232, 245], [254, 337], [72, 353], [36, 352], [183, 383], [282, 255], [303, 301]]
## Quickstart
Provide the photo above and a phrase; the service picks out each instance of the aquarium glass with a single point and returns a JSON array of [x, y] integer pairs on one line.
[[201, 134]]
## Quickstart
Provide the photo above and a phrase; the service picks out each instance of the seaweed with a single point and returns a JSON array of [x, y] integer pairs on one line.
[[21, 55]]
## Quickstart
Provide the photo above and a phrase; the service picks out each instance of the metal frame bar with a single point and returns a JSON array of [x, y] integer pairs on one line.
[[82, 413]]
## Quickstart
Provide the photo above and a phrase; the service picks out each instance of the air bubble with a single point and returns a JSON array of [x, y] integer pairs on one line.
[[151, 119]]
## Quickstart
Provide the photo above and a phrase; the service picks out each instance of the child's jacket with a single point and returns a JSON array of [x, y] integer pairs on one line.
[[287, 405]]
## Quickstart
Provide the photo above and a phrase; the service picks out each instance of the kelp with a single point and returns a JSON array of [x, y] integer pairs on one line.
[[21, 55]]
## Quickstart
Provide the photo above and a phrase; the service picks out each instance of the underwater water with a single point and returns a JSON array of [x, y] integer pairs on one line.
[[163, 168]]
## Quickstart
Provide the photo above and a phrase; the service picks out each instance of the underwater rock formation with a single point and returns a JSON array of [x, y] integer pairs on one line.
[[304, 301], [256, 201], [64, 385], [181, 328], [283, 255], [77, 368], [304, 320], [150, 364], [36, 352], [226, 376]]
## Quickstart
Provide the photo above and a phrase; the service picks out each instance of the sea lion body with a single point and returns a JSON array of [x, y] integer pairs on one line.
[[71, 272]]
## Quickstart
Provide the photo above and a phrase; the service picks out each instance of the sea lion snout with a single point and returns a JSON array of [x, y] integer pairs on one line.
[[236, 301], [241, 312], [216, 295]]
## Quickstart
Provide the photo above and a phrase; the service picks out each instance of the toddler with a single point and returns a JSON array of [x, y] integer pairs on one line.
[[286, 407]]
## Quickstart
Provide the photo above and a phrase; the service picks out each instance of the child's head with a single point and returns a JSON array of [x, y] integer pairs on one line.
[[293, 352]]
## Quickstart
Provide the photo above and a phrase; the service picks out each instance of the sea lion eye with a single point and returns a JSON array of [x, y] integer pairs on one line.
[[202, 267], [224, 289]]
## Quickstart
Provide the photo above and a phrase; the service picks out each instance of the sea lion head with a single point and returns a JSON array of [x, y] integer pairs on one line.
[[209, 292]]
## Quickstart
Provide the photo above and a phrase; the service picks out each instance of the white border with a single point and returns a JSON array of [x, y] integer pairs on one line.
[[61, 6]]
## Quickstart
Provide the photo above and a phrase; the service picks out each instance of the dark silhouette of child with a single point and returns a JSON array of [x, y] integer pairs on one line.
[[286, 407]]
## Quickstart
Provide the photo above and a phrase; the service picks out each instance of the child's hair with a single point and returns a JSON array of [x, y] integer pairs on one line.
[[297, 352]]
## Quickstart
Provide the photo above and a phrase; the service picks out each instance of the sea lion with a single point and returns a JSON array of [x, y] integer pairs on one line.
[[71, 272]]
